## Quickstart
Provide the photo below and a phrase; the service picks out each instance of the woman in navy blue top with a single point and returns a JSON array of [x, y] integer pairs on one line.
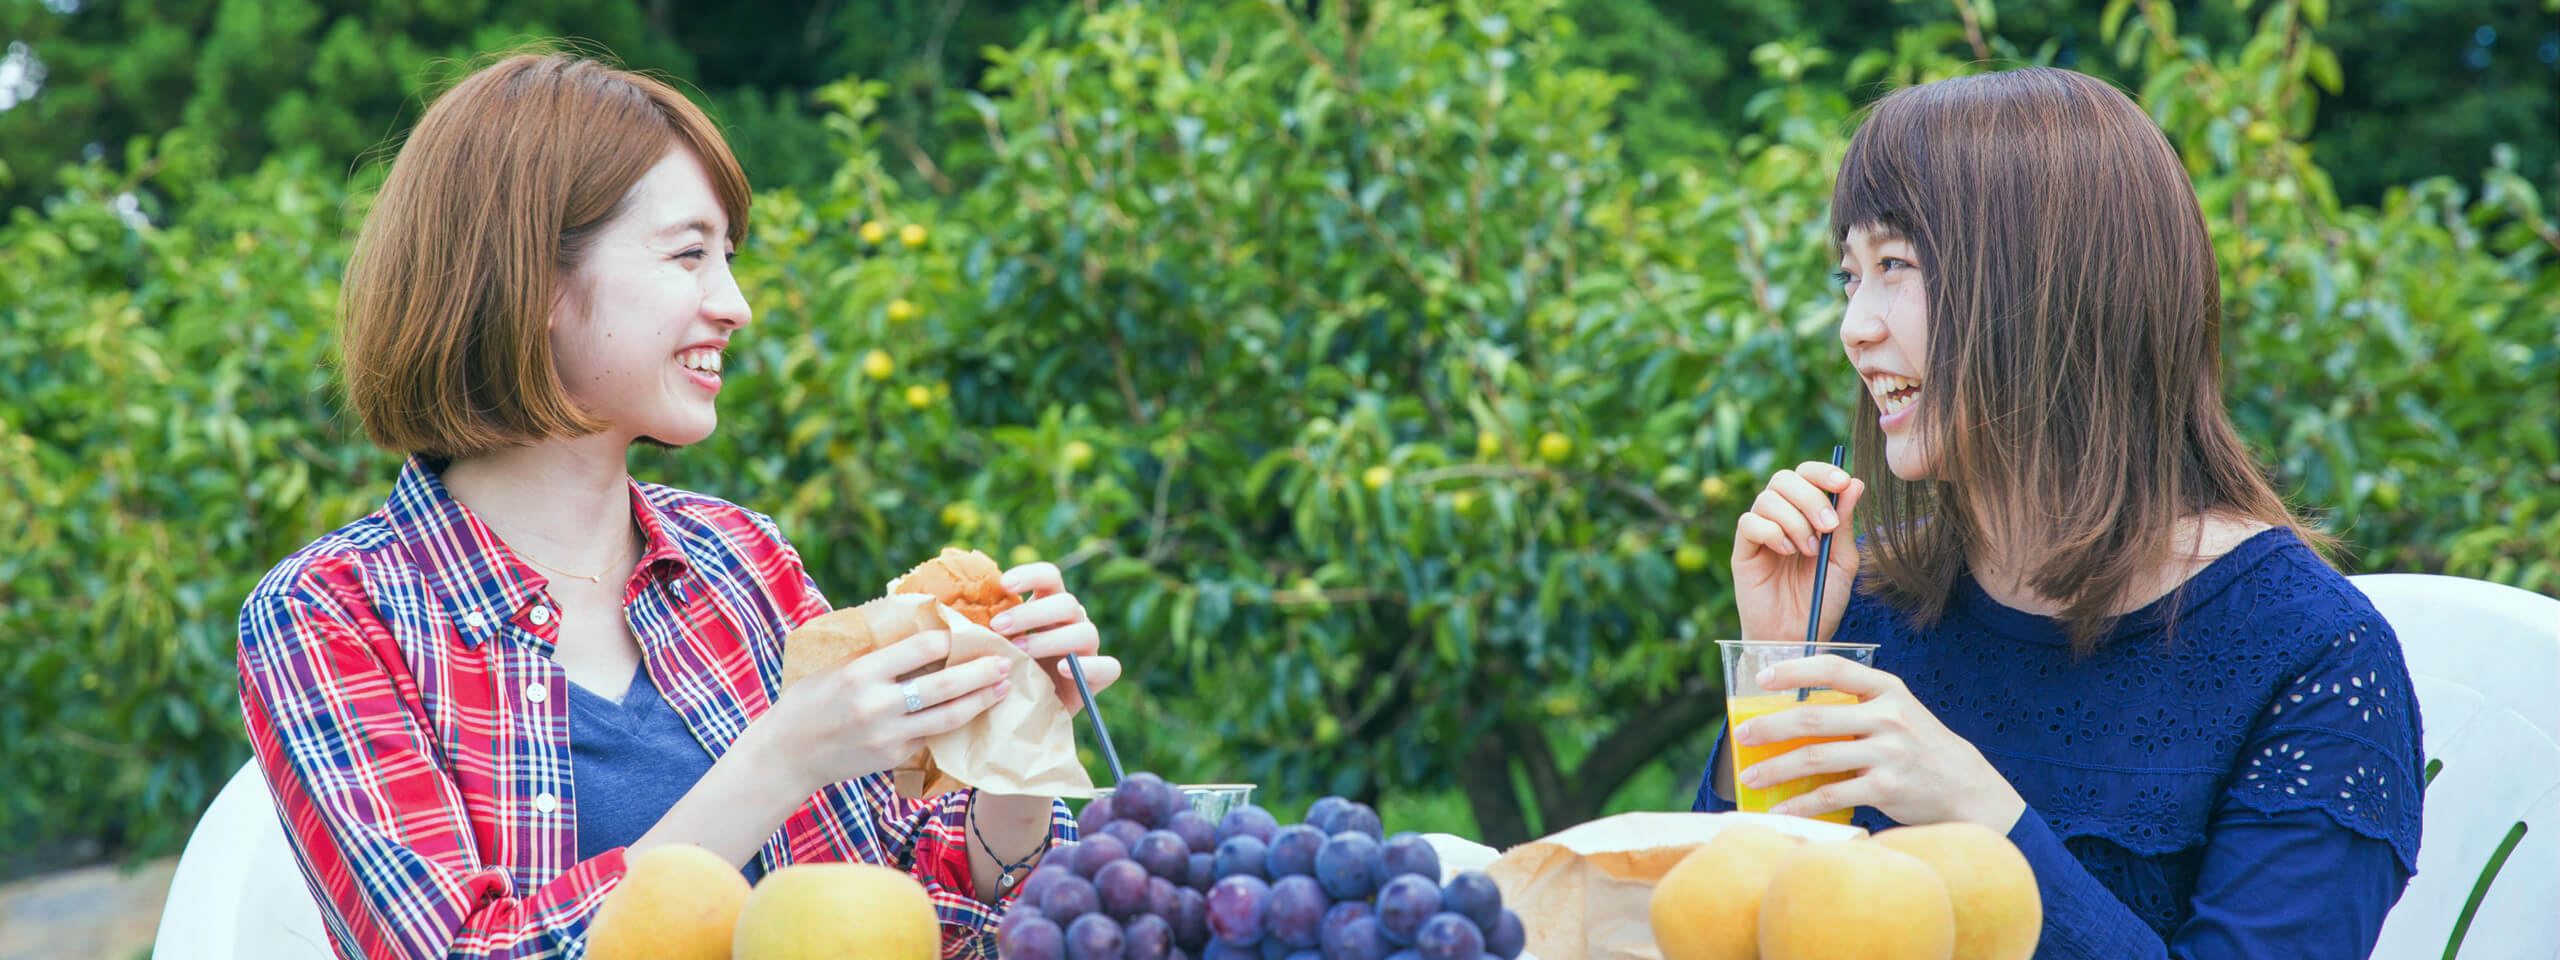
[[2100, 630]]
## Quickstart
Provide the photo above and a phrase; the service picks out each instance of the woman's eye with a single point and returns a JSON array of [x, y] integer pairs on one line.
[[1888, 264], [1842, 278], [696, 253]]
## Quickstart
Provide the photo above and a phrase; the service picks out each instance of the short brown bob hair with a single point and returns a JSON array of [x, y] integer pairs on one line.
[[490, 203], [2074, 381]]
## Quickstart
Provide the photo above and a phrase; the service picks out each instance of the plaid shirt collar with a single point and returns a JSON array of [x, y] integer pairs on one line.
[[473, 572]]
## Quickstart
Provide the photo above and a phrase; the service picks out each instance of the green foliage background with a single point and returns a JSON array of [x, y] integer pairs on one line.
[[1373, 372]]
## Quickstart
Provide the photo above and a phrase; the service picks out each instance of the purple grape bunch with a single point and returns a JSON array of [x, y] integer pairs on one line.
[[1156, 881]]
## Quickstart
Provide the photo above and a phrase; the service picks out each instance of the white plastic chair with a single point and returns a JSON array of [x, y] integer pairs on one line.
[[2485, 661], [238, 895]]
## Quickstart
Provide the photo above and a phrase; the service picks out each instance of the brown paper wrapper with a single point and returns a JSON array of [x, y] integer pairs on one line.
[[1024, 745], [1588, 891]]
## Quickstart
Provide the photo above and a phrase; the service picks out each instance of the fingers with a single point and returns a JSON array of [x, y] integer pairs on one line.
[[1845, 795], [959, 680], [1823, 475], [1039, 579], [1078, 638], [1805, 761], [900, 658], [1099, 673], [1053, 610], [955, 713], [1829, 670], [1754, 533], [1776, 508], [1808, 502], [1842, 720]]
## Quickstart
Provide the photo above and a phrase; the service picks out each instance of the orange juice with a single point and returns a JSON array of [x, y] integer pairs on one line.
[[1760, 799]]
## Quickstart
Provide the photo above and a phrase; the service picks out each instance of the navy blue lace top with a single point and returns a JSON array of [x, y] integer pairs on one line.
[[2248, 787]]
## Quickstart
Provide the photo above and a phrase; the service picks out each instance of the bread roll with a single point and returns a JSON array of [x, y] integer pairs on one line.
[[967, 581]]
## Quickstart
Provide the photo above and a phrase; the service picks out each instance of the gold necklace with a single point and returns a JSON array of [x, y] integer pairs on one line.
[[597, 577]]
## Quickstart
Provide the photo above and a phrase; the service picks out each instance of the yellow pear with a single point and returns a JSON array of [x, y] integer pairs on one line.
[[675, 902], [1999, 915], [1708, 906], [838, 911], [1856, 899]]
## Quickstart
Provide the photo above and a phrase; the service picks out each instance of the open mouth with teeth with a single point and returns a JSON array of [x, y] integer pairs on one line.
[[702, 360], [1893, 393]]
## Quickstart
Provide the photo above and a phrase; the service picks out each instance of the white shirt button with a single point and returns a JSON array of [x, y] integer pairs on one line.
[[537, 692], [475, 619], [540, 615], [546, 802]]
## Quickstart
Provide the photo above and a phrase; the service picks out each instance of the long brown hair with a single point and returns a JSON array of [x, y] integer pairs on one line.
[[2074, 386], [490, 204]]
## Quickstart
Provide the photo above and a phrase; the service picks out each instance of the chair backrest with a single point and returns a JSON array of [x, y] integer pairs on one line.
[[238, 894], [2485, 661]]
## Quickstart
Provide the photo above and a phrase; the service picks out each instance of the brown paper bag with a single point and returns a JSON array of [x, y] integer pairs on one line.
[[1588, 892], [1024, 745]]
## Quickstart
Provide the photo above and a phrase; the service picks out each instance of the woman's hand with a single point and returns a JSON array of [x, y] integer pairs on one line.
[[852, 721], [1051, 625], [1775, 547], [1909, 766]]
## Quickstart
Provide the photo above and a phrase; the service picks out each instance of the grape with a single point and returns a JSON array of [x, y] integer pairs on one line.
[[1474, 896], [1241, 855], [1293, 850], [1448, 936], [1222, 950], [1247, 820], [1196, 831], [1321, 813], [1360, 818], [1404, 955], [1351, 932], [1305, 955], [1236, 905], [1069, 898], [1190, 918], [1149, 937], [1407, 852], [1135, 800], [1296, 911], [1204, 871], [1349, 866], [1404, 903], [1123, 886], [1041, 880], [1163, 853], [1095, 814], [1160, 898], [1095, 937], [1125, 831], [1273, 949], [1014, 917], [1507, 938], [1033, 939], [1096, 851]]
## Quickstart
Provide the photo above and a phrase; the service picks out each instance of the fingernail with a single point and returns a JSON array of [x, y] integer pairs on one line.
[[1810, 547], [1830, 519], [1765, 675], [1751, 778], [1002, 688], [1004, 667], [1011, 581], [1003, 623]]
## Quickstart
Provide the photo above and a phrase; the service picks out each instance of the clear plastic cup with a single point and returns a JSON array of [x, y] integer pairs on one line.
[[1211, 800], [1744, 699]]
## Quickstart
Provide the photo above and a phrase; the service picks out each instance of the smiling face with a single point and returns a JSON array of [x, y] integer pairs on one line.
[[644, 318], [1885, 331]]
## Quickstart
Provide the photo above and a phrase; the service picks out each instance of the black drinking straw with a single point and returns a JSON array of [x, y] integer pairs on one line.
[[1821, 570], [1103, 733]]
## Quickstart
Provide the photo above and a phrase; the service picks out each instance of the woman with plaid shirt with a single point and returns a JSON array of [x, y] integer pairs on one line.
[[475, 702]]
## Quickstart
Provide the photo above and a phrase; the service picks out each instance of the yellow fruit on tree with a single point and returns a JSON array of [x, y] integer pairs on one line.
[[962, 516], [873, 231], [1856, 899], [877, 365], [837, 911], [676, 902], [1078, 453], [902, 310], [1553, 447], [1377, 477], [1999, 915], [1464, 502], [1024, 555], [1714, 489], [1708, 906], [1690, 557], [919, 396], [912, 235], [1488, 443]]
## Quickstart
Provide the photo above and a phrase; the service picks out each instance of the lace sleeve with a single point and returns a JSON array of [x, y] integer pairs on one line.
[[2341, 736]]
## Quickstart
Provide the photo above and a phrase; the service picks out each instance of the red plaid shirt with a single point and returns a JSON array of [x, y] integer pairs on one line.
[[397, 680]]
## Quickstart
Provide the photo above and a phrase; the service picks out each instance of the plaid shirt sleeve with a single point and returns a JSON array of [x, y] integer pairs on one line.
[[378, 824], [932, 832]]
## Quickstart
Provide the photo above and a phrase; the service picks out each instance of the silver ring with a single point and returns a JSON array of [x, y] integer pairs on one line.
[[915, 697]]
